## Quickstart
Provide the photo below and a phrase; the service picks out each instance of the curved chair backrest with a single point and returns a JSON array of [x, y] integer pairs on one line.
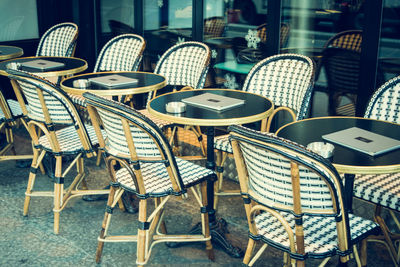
[[59, 41], [185, 64], [122, 53], [342, 69], [134, 139], [284, 176], [286, 79], [350, 40], [214, 26], [384, 104], [284, 33], [49, 108]]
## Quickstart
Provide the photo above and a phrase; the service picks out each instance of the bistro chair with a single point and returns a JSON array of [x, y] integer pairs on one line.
[[56, 129], [342, 69], [10, 115], [214, 27], [287, 80], [59, 41], [284, 33], [184, 65], [294, 201], [140, 161], [383, 190]]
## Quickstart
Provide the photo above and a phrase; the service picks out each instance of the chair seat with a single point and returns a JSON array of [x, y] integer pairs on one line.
[[222, 143], [69, 140], [159, 122], [380, 189], [320, 232], [15, 109], [156, 178]]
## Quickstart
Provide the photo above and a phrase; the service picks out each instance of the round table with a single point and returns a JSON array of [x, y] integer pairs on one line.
[[7, 52], [146, 82], [72, 65], [346, 160], [255, 108]]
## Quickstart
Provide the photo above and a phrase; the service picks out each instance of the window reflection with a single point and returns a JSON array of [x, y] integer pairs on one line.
[[117, 17]]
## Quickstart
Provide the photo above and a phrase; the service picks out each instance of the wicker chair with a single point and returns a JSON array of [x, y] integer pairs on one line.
[[214, 27], [287, 80], [284, 33], [59, 41], [148, 169], [342, 68], [10, 114], [294, 201], [183, 65], [383, 190], [55, 128]]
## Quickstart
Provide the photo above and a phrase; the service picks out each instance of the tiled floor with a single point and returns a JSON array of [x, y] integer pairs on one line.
[[29, 241]]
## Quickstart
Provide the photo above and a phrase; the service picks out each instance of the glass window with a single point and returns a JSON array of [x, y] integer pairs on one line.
[[389, 52], [229, 27], [166, 22], [117, 16], [18, 20], [330, 33]]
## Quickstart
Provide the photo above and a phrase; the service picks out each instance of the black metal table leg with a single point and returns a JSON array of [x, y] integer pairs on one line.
[[218, 228]]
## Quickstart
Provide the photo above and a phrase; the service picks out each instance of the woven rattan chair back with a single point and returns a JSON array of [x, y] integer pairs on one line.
[[298, 192], [350, 40], [286, 79], [284, 33], [134, 139], [384, 104], [122, 53], [59, 41], [185, 64], [214, 27]]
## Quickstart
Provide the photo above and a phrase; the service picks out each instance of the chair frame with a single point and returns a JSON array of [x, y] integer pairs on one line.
[[151, 229], [47, 127], [221, 156], [255, 202]]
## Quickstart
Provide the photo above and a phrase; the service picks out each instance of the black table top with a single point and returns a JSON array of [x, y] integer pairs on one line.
[[7, 52], [71, 65], [347, 160], [256, 107], [147, 82]]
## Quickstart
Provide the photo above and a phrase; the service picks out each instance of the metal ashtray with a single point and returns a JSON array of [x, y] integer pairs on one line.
[[81, 83], [175, 107], [323, 149], [14, 66]]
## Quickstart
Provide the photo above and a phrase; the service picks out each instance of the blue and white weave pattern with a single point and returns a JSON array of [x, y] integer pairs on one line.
[[58, 41]]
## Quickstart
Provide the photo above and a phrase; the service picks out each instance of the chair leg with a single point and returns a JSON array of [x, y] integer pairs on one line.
[[363, 252], [58, 193], [249, 251], [141, 252], [32, 176], [106, 221], [205, 221], [219, 169]]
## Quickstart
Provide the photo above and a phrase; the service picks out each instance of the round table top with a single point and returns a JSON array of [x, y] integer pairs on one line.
[[147, 82], [72, 65], [347, 160], [255, 108], [7, 52]]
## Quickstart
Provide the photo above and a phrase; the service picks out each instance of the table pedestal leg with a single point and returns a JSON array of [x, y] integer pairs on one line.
[[218, 228]]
